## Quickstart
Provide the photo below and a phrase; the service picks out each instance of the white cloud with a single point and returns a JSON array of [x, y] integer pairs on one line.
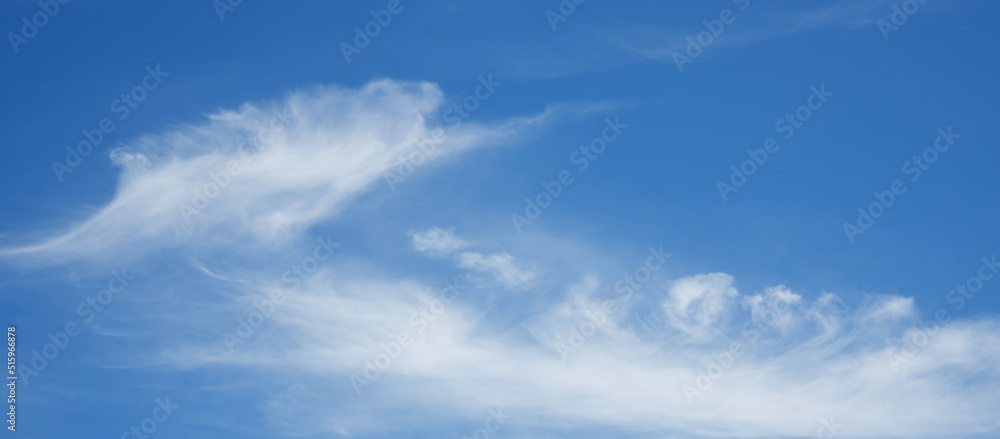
[[774, 306], [631, 381], [890, 307], [660, 45], [501, 265], [307, 155], [437, 241], [629, 378], [696, 303]]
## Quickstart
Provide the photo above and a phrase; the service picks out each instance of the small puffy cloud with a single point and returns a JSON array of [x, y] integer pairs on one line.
[[773, 307], [696, 303], [892, 307], [438, 241], [500, 264]]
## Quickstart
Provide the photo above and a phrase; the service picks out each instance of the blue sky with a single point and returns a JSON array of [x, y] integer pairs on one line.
[[509, 218]]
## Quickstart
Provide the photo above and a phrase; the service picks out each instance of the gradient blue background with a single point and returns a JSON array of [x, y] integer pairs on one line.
[[656, 184]]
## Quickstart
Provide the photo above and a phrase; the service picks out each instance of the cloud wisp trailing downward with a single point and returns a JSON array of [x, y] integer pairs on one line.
[[263, 172]]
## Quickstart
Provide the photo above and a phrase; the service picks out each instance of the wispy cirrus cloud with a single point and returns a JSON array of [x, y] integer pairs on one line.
[[500, 265], [755, 26], [793, 370], [801, 360], [264, 172], [437, 241]]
